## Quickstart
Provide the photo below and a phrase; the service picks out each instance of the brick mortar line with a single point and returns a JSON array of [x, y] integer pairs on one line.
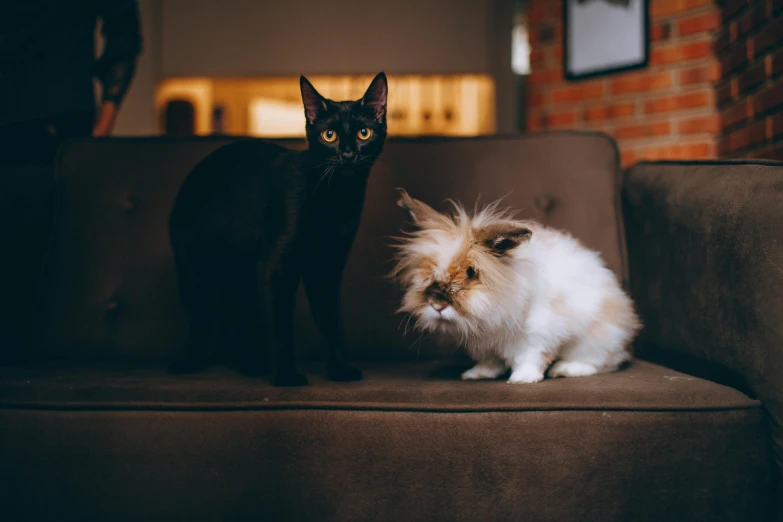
[[685, 13], [657, 141], [767, 83], [725, 137], [642, 119], [708, 35], [744, 39], [678, 65], [684, 89], [755, 31], [738, 14], [604, 102], [743, 152], [762, 115]]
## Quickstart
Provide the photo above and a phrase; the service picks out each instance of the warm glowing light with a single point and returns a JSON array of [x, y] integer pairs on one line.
[[520, 50], [197, 91], [269, 118], [458, 105]]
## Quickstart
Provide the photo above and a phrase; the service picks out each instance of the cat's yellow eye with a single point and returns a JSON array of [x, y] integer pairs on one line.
[[329, 136], [364, 133]]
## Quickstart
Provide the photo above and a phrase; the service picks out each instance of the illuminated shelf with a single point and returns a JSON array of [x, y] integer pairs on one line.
[[458, 105]]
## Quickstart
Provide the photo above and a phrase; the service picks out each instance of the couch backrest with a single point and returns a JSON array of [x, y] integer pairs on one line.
[[110, 290]]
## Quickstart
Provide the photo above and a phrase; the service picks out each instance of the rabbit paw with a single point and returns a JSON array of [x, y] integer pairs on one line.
[[572, 369], [489, 370], [526, 375]]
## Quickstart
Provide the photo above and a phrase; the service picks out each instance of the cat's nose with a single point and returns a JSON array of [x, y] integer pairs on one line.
[[347, 154]]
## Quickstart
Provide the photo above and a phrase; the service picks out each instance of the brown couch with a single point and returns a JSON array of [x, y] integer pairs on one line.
[[92, 427]]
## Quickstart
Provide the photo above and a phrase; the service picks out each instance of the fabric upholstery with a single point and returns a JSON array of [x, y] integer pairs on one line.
[[706, 256], [409, 443], [388, 386], [111, 288], [27, 196]]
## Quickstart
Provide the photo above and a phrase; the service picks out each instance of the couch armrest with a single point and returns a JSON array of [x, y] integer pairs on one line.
[[705, 255]]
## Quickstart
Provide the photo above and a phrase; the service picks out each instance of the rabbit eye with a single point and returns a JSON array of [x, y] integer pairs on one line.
[[470, 272]]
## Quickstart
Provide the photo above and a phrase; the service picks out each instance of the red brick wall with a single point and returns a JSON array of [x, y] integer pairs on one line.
[[666, 111], [750, 93]]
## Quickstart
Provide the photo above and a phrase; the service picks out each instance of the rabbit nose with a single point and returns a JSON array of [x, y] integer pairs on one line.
[[439, 306], [437, 297]]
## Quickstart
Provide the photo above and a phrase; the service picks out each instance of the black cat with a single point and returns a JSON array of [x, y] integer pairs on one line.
[[253, 219]]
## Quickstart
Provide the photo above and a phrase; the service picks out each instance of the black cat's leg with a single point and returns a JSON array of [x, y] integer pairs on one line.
[[242, 333], [283, 284], [252, 357], [323, 293], [198, 300]]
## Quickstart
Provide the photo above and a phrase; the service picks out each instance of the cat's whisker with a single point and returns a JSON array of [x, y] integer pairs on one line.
[[328, 172]]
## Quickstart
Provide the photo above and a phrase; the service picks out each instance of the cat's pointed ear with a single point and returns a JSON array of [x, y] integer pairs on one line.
[[313, 102], [421, 214], [376, 94], [501, 238]]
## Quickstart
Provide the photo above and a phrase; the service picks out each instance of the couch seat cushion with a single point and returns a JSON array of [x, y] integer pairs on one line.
[[401, 386], [408, 443]]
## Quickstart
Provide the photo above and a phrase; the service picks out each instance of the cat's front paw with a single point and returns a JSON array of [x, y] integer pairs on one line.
[[344, 373], [572, 369], [289, 379], [526, 375], [483, 371]]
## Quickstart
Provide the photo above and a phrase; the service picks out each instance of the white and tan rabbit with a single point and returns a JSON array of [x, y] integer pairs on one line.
[[515, 294]]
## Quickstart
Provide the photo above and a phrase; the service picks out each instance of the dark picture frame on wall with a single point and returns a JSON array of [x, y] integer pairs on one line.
[[603, 37]]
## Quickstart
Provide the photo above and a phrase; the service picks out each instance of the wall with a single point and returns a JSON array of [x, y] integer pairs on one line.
[[137, 115], [666, 111], [291, 37], [243, 38], [750, 93]]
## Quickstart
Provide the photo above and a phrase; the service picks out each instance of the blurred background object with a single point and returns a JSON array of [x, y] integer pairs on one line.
[[65, 68], [713, 87], [454, 105], [462, 68], [448, 63]]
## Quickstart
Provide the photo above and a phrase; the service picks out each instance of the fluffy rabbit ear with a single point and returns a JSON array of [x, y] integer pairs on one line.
[[501, 238], [421, 214]]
